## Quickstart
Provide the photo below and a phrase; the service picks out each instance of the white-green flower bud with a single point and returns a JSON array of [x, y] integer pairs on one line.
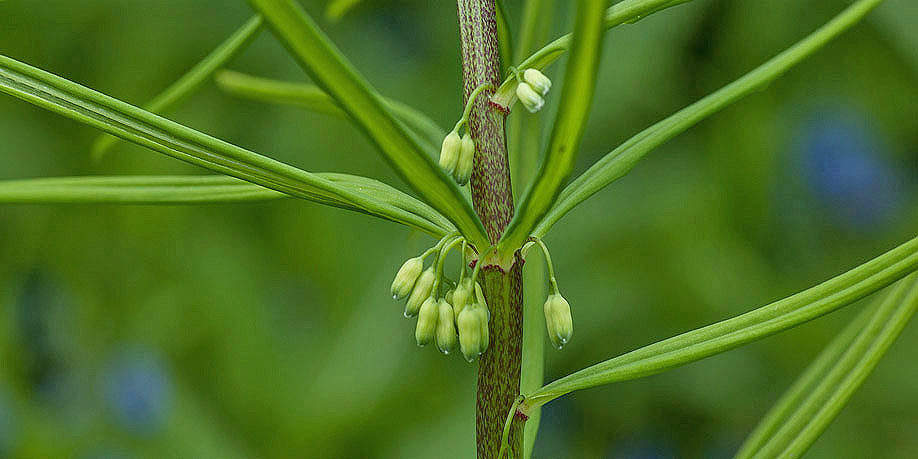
[[450, 152], [529, 97], [446, 328], [469, 333], [420, 292], [461, 296], [537, 80], [466, 160], [427, 322], [407, 275], [479, 296], [484, 317], [558, 320]]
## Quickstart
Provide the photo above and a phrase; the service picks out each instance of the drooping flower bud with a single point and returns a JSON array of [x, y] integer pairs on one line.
[[558, 320], [529, 97], [466, 160], [427, 322], [469, 333], [420, 292], [461, 296], [407, 275], [537, 80], [479, 296], [450, 152], [446, 328], [484, 316]]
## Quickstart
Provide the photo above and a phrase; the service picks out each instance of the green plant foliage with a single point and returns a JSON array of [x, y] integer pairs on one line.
[[620, 160], [312, 98], [805, 411], [193, 79], [332, 72], [625, 12], [767, 320], [576, 100], [159, 134]]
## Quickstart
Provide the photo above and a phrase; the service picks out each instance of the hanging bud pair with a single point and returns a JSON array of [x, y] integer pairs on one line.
[[474, 335], [532, 88], [457, 156]]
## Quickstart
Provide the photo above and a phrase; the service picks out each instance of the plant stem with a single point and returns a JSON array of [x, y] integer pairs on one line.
[[491, 194], [499, 367]]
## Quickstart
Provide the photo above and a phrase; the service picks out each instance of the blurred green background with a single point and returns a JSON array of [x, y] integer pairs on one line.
[[266, 330]]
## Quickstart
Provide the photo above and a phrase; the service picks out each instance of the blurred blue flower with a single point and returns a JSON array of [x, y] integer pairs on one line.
[[138, 392], [847, 169]]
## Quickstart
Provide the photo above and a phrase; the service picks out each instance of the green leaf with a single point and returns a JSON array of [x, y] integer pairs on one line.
[[524, 160], [132, 190], [575, 102], [145, 189], [625, 12], [805, 411], [193, 79], [336, 75], [504, 34], [731, 333], [313, 98], [618, 162], [159, 134]]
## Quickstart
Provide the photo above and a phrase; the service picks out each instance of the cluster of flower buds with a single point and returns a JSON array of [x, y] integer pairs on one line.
[[532, 88], [458, 317]]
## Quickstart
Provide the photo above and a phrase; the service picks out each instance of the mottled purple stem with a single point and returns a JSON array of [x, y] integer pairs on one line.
[[499, 367]]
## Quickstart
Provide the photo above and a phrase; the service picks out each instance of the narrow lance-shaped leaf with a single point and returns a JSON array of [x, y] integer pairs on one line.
[[524, 159], [731, 333], [193, 79], [504, 34], [145, 189], [159, 134], [576, 100], [313, 98], [132, 190], [618, 162], [818, 396], [401, 147], [627, 11]]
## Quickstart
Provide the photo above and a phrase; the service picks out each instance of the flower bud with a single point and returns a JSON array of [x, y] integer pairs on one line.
[[461, 296], [469, 333], [479, 296], [484, 317], [558, 320], [446, 328], [537, 80], [466, 160], [407, 275], [529, 97], [427, 322], [450, 152], [420, 292]]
